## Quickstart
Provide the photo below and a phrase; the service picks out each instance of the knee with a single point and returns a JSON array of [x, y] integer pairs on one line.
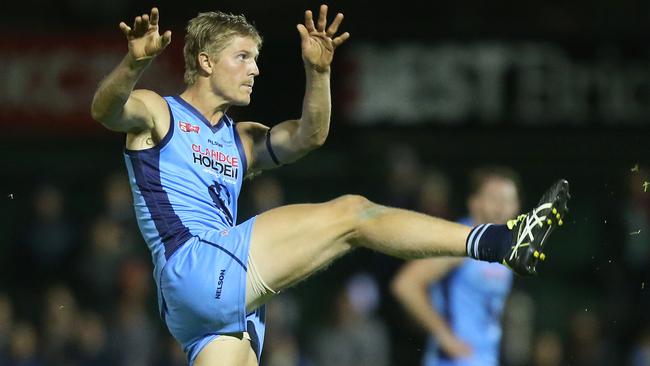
[[357, 211], [359, 214], [352, 206]]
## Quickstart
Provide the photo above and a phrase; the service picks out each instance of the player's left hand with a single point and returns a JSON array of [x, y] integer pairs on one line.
[[318, 43]]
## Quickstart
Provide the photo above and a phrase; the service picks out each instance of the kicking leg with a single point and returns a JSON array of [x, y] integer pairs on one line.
[[227, 350], [289, 243]]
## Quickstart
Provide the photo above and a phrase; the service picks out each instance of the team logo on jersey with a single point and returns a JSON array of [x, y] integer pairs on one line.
[[223, 164], [221, 197], [188, 127]]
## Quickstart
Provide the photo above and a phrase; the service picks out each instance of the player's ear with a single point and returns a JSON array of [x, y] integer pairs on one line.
[[205, 63]]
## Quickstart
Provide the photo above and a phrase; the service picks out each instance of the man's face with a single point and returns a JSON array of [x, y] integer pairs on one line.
[[234, 71], [497, 201]]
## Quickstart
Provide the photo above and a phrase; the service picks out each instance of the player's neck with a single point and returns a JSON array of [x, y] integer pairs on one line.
[[211, 106]]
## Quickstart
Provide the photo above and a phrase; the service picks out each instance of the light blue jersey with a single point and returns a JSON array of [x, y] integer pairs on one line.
[[471, 299], [185, 192], [189, 182]]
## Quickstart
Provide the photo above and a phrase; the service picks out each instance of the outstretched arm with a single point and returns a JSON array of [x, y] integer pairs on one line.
[[115, 104], [410, 286], [292, 139]]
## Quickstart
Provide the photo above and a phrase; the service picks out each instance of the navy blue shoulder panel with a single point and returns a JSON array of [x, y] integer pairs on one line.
[[146, 169]]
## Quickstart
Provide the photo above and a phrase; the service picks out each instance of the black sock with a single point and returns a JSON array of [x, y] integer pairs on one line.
[[489, 242]]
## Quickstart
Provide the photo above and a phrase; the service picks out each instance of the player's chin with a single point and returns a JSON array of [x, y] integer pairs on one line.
[[243, 101]]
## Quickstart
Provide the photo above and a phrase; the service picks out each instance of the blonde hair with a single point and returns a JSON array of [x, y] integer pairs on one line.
[[211, 32]]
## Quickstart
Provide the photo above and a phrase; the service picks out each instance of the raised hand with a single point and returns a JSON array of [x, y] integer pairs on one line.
[[317, 43], [144, 40]]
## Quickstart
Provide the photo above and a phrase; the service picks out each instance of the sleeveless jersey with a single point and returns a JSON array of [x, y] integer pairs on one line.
[[471, 298], [188, 183]]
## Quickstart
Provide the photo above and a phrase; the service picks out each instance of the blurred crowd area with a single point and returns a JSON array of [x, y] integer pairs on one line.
[[77, 285]]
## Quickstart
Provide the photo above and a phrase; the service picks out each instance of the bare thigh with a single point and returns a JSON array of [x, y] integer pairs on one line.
[[227, 350], [290, 243]]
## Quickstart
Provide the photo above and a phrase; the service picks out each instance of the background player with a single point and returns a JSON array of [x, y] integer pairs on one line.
[[460, 301], [212, 276]]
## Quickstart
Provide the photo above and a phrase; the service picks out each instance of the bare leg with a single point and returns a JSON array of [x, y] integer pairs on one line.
[[407, 234], [227, 350], [292, 242]]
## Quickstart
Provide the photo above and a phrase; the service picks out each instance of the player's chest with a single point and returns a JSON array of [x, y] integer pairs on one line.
[[211, 152]]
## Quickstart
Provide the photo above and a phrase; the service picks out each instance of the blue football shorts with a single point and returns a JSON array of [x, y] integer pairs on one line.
[[203, 290]]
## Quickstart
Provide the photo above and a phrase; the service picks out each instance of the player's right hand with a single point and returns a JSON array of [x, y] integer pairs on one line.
[[452, 346], [145, 42]]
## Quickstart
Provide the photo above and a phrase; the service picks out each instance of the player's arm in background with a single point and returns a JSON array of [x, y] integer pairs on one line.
[[115, 104], [290, 140], [411, 285]]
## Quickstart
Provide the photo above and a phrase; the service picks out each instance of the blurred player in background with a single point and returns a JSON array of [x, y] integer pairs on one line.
[[459, 301], [187, 160]]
